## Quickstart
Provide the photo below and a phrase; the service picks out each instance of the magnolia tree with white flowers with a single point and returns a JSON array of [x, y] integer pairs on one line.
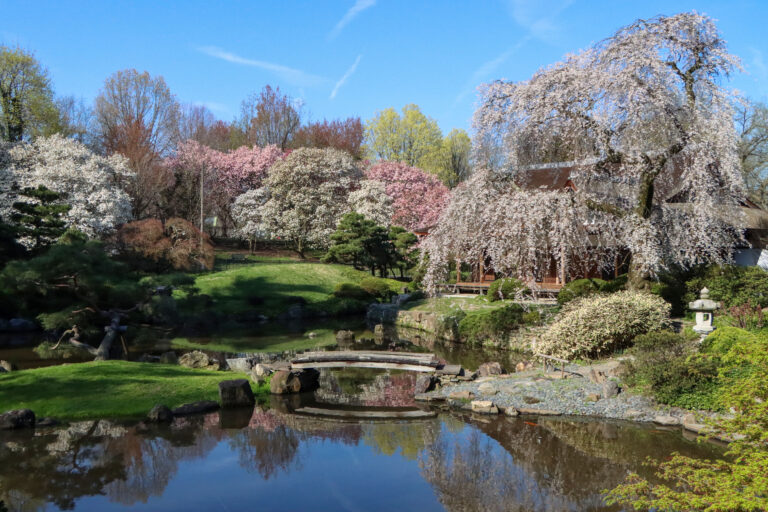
[[91, 184], [372, 201], [307, 195], [247, 214], [644, 113]]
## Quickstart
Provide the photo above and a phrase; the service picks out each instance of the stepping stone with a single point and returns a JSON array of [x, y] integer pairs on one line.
[[484, 407], [666, 420]]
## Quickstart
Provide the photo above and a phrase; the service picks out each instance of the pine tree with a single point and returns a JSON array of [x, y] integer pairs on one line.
[[40, 219]]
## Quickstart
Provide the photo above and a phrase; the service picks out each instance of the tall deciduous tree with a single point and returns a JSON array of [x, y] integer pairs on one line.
[[308, 192], [417, 197], [138, 117], [409, 138], [27, 108], [752, 127], [76, 120], [270, 118], [649, 100], [346, 135]]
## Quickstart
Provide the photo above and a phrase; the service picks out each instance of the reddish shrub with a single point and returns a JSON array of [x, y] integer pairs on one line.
[[153, 245]]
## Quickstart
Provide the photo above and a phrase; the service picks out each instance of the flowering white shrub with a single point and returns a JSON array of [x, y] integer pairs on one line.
[[91, 184], [599, 324], [372, 201]]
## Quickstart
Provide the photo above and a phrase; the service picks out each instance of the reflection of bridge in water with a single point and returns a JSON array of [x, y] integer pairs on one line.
[[409, 361]]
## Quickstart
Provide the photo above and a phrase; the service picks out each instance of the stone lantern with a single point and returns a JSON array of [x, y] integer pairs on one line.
[[703, 307]]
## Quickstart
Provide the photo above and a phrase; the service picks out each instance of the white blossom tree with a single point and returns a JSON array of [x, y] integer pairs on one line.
[[247, 214], [308, 194], [372, 201], [91, 184], [645, 115]]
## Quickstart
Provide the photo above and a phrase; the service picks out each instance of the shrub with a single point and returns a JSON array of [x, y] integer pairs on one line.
[[376, 287], [723, 339], [351, 291], [598, 325], [493, 324], [153, 245], [731, 284], [664, 363], [532, 318], [505, 288], [579, 288]]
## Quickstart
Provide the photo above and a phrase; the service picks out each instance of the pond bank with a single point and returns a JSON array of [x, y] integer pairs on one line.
[[591, 391]]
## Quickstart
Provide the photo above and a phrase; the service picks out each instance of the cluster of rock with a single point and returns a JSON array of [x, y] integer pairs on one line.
[[23, 418], [6, 367], [17, 325]]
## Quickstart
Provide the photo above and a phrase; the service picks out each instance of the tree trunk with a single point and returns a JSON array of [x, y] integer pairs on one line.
[[639, 278]]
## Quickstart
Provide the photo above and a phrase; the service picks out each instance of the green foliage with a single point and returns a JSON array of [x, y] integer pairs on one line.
[[108, 389], [351, 291], [361, 242], [378, 288], [27, 108], [532, 318], [64, 351], [590, 286], [733, 285], [595, 326], [738, 481], [40, 219], [10, 249], [71, 283], [505, 288], [490, 324], [406, 255], [724, 339]]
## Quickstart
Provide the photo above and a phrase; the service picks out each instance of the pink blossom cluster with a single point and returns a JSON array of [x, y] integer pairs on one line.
[[418, 198]]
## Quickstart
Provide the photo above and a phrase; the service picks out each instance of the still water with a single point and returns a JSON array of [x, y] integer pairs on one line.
[[291, 454]]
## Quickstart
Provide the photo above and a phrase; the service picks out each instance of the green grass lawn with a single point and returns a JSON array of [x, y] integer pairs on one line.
[[108, 389], [246, 342], [271, 285], [447, 305]]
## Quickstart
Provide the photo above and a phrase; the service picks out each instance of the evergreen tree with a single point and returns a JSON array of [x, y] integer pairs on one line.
[[40, 219]]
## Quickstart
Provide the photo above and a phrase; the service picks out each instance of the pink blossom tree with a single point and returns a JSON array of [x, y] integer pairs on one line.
[[417, 197]]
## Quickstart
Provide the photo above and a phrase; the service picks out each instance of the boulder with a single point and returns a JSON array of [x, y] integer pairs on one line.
[[169, 357], [487, 389], [610, 389], [261, 370], [488, 369], [691, 423], [258, 379], [240, 364], [461, 395], [593, 397], [235, 393], [451, 369], [21, 324], [524, 366], [423, 384], [596, 376], [666, 420], [200, 407], [511, 412], [160, 414], [6, 366], [484, 407], [540, 412], [345, 337], [284, 381], [198, 359], [20, 418]]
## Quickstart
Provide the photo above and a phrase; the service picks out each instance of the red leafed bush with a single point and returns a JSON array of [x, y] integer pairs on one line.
[[152, 245]]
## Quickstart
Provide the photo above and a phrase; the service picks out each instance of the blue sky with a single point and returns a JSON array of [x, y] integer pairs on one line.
[[344, 57]]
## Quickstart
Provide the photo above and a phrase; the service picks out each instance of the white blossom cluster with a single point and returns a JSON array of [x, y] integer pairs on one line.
[[91, 184], [645, 114], [371, 200]]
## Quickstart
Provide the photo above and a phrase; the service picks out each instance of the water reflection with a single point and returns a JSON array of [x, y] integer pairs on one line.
[[280, 460]]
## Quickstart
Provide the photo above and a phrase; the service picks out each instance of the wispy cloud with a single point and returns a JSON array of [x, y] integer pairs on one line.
[[290, 75], [346, 76], [360, 6], [538, 20]]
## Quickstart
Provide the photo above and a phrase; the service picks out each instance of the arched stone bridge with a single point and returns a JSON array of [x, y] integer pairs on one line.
[[409, 361]]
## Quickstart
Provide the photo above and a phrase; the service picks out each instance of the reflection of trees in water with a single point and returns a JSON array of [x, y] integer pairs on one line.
[[538, 472], [266, 451], [366, 387], [409, 437]]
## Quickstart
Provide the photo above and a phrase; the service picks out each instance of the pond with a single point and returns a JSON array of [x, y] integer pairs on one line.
[[360, 442], [275, 459], [272, 337]]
